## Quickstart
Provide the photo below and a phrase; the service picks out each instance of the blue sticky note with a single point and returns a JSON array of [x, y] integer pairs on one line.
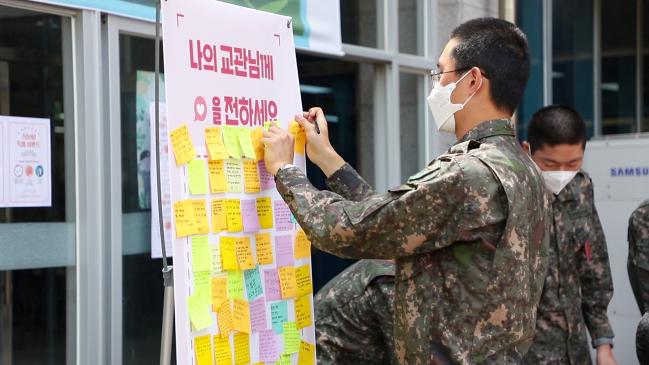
[[253, 283], [279, 315]]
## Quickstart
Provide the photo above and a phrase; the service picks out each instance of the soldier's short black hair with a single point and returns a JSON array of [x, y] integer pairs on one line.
[[499, 48], [554, 125]]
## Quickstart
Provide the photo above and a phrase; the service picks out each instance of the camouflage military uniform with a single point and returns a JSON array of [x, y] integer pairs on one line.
[[468, 236], [353, 315], [638, 263], [578, 285]]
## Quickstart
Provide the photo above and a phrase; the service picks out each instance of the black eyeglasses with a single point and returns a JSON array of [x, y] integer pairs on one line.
[[435, 77]]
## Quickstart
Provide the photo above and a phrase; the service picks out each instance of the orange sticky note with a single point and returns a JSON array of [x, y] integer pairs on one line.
[[184, 219], [302, 245], [244, 253], [224, 319], [299, 135], [287, 282], [181, 143], [264, 248], [214, 141], [257, 145], [200, 215], [219, 292], [306, 356], [217, 177], [303, 280], [303, 312], [203, 350], [265, 213], [219, 223], [241, 349], [233, 215], [251, 181], [222, 351], [241, 315], [228, 253]]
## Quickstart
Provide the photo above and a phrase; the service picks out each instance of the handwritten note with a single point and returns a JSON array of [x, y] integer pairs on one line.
[[182, 145], [199, 313], [228, 253], [265, 213], [200, 217], [241, 315], [235, 284], [307, 354], [291, 338], [219, 292], [224, 319], [201, 256], [217, 177], [282, 216], [266, 180], [241, 349], [202, 284], [196, 177], [279, 316], [302, 245], [299, 135], [233, 215], [303, 280], [268, 349], [244, 253], [264, 248], [203, 350], [287, 282], [257, 145], [219, 221], [231, 141], [245, 142], [253, 283], [251, 177], [215, 146], [184, 218], [258, 315], [217, 264], [234, 175], [271, 283], [249, 215], [283, 251], [222, 352], [303, 312]]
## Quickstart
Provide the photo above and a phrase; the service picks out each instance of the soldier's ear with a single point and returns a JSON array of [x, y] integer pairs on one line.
[[526, 147]]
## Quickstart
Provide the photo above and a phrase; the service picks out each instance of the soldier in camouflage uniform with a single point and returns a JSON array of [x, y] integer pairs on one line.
[[578, 286], [638, 263], [353, 315], [467, 232]]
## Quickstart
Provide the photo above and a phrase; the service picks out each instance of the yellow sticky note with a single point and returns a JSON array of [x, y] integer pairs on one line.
[[265, 212], [203, 350], [233, 215], [201, 258], [287, 282], [241, 349], [303, 312], [303, 280], [257, 144], [264, 248], [299, 135], [196, 177], [234, 175], [181, 143], [231, 141], [306, 355], [184, 218], [222, 352], [219, 223], [199, 313], [291, 338], [217, 177], [200, 215], [235, 285], [251, 177], [214, 141], [241, 315], [245, 141], [228, 253], [219, 292], [244, 253], [224, 319], [302, 245]]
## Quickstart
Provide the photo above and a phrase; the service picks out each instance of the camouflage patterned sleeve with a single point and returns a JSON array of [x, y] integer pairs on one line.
[[349, 184], [421, 216], [638, 262], [596, 280]]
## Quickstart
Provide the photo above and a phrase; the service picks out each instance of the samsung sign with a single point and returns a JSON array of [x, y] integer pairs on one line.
[[636, 171]]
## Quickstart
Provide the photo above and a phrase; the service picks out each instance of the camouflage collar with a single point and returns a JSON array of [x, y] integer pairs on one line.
[[571, 191], [496, 127]]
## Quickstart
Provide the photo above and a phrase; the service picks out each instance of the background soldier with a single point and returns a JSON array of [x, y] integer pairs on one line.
[[460, 229], [638, 262], [353, 315], [578, 286]]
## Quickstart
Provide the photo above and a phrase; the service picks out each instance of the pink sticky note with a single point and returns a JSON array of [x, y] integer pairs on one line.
[[284, 251], [271, 282], [282, 216], [266, 180], [249, 215], [268, 349], [258, 315]]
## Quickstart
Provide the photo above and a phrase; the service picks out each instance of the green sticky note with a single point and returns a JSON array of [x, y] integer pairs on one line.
[[245, 142], [197, 177], [199, 312], [235, 284], [203, 284], [201, 255], [231, 141], [284, 360], [291, 338]]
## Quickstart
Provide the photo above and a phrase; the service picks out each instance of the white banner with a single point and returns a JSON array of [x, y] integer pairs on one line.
[[242, 266], [25, 159]]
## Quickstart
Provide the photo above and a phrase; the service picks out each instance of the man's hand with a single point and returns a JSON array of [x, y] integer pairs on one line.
[[605, 355], [318, 147], [278, 148]]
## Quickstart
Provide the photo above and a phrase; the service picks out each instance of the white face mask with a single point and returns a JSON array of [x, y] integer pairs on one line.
[[555, 181], [439, 102]]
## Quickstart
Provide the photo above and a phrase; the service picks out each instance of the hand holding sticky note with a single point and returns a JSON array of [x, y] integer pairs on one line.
[[299, 135]]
